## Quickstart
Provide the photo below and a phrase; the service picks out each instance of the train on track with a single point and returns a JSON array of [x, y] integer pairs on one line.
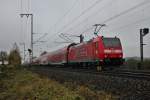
[[98, 53]]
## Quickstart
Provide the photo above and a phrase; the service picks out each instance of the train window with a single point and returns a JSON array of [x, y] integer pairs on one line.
[[111, 42]]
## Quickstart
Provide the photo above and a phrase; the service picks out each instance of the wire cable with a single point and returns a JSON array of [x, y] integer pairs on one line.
[[21, 21], [39, 39], [82, 13], [93, 14], [69, 10], [113, 17], [21, 8], [127, 25], [126, 11], [28, 5], [86, 10]]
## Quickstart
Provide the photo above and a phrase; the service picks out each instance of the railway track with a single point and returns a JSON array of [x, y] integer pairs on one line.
[[130, 74], [132, 85], [137, 74]]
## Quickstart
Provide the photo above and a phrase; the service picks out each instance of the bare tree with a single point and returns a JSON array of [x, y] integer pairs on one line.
[[14, 56]]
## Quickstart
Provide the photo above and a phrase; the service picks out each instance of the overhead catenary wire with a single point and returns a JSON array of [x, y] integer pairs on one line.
[[39, 39], [21, 6], [128, 25], [134, 21], [62, 42], [125, 12], [24, 7], [26, 27], [62, 37], [82, 13], [65, 37], [122, 13], [90, 16], [21, 21], [28, 5], [66, 13]]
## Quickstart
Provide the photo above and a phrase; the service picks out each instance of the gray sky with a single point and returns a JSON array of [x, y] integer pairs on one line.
[[74, 17]]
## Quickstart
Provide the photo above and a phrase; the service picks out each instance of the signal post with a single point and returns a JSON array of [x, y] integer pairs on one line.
[[143, 32]]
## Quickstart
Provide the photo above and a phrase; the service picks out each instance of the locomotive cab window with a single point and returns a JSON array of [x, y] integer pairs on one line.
[[111, 42]]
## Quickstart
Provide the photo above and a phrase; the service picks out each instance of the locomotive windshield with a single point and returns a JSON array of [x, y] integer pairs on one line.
[[111, 42]]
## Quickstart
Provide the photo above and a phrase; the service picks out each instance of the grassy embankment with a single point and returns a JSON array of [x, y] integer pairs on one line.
[[19, 84]]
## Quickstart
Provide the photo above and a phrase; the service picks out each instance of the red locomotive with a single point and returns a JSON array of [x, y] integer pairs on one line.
[[100, 52]]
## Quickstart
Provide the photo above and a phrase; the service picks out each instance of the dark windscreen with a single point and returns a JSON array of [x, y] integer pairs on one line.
[[111, 42]]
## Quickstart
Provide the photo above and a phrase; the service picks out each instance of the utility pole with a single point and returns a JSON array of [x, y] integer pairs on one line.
[[31, 15], [141, 44], [143, 32]]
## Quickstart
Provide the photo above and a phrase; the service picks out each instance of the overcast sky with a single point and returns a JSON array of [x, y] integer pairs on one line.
[[123, 18]]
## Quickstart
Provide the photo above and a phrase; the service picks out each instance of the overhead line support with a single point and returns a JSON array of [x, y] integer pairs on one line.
[[31, 15]]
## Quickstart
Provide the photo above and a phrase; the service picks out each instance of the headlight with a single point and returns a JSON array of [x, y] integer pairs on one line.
[[107, 51], [118, 51]]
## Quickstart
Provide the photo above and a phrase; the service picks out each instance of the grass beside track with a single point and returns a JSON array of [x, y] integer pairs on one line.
[[16, 83]]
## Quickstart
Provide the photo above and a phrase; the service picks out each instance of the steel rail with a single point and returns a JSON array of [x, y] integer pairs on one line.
[[144, 75]]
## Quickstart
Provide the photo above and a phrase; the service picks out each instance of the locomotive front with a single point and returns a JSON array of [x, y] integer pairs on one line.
[[113, 53]]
